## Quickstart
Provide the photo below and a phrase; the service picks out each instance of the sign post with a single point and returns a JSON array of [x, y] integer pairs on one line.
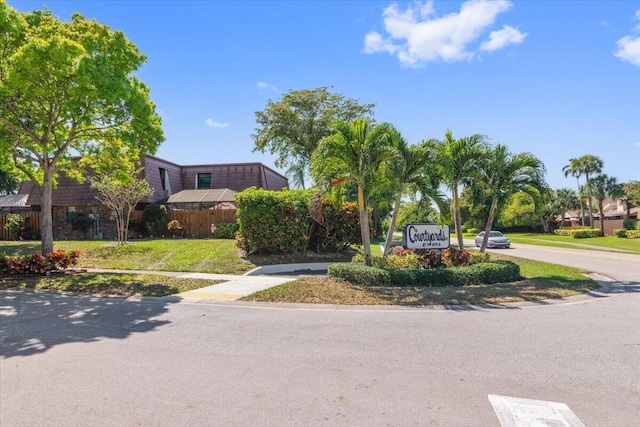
[[426, 236]]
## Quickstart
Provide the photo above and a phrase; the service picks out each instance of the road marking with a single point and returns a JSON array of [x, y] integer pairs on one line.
[[518, 412]]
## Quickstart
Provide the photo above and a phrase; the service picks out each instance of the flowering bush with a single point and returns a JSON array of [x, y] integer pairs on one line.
[[174, 225], [36, 263]]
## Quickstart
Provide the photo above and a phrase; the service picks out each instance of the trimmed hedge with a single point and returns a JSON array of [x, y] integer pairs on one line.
[[633, 234], [579, 233], [620, 232], [287, 222], [485, 273]]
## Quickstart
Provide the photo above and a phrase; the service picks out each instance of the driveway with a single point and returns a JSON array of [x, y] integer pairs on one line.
[[80, 360]]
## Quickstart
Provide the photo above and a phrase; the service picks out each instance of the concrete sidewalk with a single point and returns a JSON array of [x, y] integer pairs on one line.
[[235, 287]]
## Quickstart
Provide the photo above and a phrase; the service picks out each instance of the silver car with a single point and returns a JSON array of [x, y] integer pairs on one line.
[[496, 240]]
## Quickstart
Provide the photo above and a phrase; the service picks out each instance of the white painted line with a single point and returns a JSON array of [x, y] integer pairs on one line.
[[517, 412]]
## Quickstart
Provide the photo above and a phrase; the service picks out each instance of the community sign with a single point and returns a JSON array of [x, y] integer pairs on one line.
[[425, 236]]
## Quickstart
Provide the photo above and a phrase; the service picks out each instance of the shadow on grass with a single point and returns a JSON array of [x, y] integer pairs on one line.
[[34, 322], [298, 258]]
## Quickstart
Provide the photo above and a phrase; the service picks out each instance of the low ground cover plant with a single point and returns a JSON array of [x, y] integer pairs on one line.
[[36, 263]]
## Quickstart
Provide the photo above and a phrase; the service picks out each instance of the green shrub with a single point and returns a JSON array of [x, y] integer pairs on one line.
[[585, 234], [15, 225], [478, 257], [226, 230], [620, 232], [80, 221], [36, 263], [632, 224], [340, 227], [473, 230], [487, 273], [155, 218], [633, 234]]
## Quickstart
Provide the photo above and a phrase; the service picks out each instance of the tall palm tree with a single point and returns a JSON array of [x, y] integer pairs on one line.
[[504, 174], [567, 200], [414, 167], [458, 160], [590, 164], [573, 169], [354, 153], [297, 172], [603, 186]]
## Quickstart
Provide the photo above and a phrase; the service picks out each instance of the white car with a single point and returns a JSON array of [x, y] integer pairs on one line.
[[496, 240]]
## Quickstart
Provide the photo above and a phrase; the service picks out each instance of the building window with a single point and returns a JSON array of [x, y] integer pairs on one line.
[[203, 181], [163, 178], [70, 209]]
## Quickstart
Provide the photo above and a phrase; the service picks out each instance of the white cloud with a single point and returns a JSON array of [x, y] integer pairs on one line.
[[629, 46], [213, 124], [502, 38], [417, 36], [264, 85]]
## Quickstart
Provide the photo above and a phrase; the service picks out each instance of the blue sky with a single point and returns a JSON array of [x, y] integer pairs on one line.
[[556, 78]]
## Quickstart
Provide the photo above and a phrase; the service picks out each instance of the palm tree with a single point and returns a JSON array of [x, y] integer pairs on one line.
[[458, 160], [354, 153], [414, 167], [297, 172], [567, 200], [604, 186], [573, 169], [505, 174], [590, 164]]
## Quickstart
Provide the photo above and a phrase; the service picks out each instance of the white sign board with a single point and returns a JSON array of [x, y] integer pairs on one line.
[[425, 236]]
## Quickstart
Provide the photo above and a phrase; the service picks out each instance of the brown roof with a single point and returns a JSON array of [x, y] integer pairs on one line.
[[203, 196]]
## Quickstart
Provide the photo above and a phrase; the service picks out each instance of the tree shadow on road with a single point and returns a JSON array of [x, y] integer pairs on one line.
[[34, 322]]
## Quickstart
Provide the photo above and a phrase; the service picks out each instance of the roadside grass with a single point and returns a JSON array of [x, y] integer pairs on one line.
[[541, 281], [109, 284], [602, 243]]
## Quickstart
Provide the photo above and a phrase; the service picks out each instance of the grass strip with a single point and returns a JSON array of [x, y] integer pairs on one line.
[[109, 284]]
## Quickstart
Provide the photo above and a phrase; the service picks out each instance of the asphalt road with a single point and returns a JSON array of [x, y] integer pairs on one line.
[[79, 360]]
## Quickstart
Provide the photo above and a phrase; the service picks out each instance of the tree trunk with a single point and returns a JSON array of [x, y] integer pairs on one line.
[[364, 226], [581, 204], [600, 209], [487, 227], [46, 214], [392, 225], [456, 216], [627, 213], [562, 214], [590, 203]]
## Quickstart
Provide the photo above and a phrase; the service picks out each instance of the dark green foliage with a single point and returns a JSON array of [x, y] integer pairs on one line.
[[273, 221], [632, 224], [15, 225], [484, 273], [282, 222], [155, 218], [339, 229], [620, 232], [79, 221], [226, 230]]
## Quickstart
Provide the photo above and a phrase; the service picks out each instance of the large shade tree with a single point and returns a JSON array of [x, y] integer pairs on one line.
[[355, 152], [458, 160], [414, 169], [293, 126], [504, 174], [65, 89], [631, 196]]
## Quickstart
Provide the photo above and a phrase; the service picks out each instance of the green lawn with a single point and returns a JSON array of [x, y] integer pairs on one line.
[[603, 243], [202, 256]]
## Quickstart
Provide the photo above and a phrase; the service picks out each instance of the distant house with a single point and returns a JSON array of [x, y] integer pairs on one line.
[[207, 186]]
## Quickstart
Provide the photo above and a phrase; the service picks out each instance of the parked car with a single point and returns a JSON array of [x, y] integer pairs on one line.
[[496, 240]]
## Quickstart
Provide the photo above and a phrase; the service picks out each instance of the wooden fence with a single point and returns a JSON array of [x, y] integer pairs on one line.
[[32, 221], [195, 223]]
